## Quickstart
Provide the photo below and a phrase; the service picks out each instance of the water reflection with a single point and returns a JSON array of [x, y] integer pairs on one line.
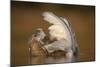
[[51, 60]]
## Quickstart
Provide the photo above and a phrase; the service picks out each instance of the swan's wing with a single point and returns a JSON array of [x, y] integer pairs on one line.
[[75, 47], [51, 18], [55, 20], [57, 45]]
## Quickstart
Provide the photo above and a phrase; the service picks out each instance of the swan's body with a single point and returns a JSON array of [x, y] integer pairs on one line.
[[62, 31]]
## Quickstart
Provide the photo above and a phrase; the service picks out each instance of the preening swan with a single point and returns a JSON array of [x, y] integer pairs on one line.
[[60, 30]]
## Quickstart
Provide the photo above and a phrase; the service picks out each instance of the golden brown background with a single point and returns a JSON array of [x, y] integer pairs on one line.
[[26, 17]]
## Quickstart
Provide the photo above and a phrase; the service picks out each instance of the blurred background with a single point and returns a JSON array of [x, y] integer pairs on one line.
[[27, 16]]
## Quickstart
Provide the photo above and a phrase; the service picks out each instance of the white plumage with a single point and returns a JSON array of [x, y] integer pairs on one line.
[[58, 26], [57, 45], [57, 31], [62, 31]]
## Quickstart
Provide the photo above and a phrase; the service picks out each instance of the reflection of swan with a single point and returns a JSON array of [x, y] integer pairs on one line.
[[49, 60], [61, 31]]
